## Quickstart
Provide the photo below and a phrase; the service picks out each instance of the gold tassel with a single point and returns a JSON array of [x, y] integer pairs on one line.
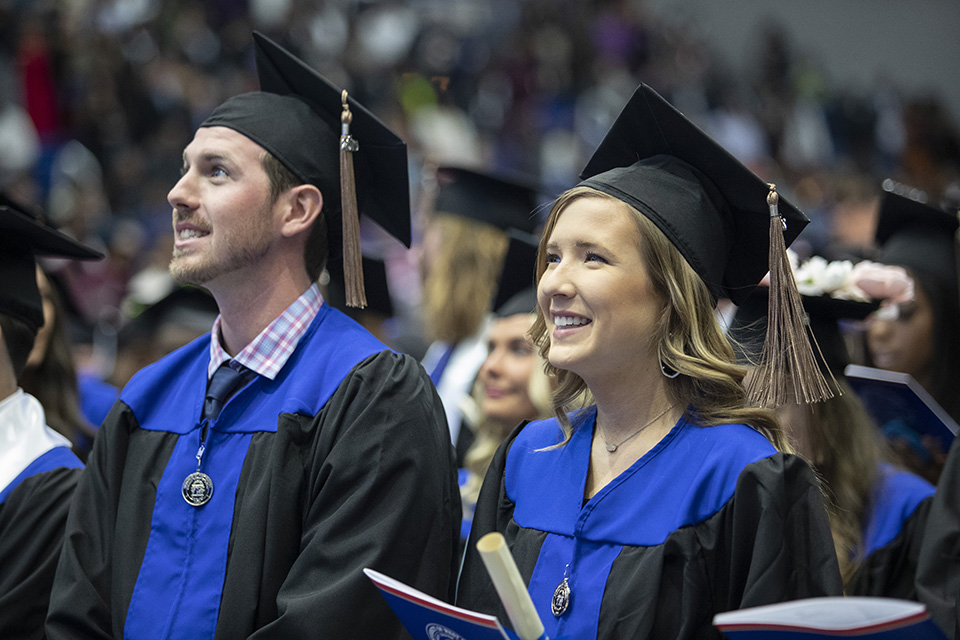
[[787, 354], [352, 260]]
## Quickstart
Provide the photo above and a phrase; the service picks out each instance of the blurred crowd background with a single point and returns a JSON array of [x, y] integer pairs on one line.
[[99, 97]]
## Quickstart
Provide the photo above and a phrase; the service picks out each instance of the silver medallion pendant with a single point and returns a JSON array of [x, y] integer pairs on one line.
[[197, 489], [561, 598]]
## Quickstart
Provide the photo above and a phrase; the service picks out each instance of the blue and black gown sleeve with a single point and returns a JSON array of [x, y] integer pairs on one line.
[[32, 520], [381, 492]]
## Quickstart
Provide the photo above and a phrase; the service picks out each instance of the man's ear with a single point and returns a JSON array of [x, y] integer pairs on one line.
[[303, 206]]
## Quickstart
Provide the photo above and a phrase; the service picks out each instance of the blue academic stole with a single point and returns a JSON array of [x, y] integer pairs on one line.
[[178, 589]]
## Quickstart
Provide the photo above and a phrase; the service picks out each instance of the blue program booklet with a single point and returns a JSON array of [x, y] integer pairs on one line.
[[427, 618], [865, 618], [900, 406]]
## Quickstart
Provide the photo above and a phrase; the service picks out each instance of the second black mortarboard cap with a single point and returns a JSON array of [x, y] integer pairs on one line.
[[915, 235], [23, 238], [500, 201], [709, 205], [516, 287]]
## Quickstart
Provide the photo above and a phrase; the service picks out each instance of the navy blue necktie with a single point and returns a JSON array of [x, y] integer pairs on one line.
[[224, 382]]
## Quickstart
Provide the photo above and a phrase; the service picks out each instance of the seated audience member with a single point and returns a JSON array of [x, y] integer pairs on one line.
[[919, 338], [511, 386], [463, 247], [175, 320], [938, 567], [38, 469]]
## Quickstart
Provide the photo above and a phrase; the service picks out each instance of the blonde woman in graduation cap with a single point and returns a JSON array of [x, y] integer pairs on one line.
[[668, 498]]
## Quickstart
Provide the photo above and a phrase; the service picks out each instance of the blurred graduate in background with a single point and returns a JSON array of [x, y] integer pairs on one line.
[[512, 385], [464, 242], [920, 337], [38, 469]]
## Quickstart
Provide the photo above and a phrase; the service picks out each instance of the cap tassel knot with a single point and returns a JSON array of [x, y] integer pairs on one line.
[[352, 259], [788, 347]]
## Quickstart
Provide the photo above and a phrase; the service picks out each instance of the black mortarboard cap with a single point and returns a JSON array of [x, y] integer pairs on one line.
[[707, 203], [296, 116], [516, 287], [913, 234], [24, 237], [500, 201]]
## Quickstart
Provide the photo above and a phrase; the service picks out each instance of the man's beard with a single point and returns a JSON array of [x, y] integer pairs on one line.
[[239, 248]]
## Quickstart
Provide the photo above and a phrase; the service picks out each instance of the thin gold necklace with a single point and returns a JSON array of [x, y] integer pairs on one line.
[[613, 447]]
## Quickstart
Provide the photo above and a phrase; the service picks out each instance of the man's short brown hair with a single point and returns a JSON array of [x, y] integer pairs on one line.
[[282, 179]]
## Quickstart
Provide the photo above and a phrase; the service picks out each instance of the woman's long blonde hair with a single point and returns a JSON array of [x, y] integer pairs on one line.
[[691, 340], [459, 287]]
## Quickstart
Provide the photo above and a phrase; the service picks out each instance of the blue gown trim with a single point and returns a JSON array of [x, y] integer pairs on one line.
[[587, 566], [178, 588], [466, 521], [896, 497], [53, 459], [686, 478], [168, 395]]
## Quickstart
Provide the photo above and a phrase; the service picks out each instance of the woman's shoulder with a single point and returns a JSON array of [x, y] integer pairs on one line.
[[538, 434], [728, 441]]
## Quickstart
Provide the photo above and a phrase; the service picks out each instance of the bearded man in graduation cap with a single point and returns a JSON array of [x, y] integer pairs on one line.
[[38, 469], [241, 484]]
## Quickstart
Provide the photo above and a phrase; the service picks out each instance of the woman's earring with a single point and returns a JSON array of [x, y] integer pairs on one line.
[[668, 371]]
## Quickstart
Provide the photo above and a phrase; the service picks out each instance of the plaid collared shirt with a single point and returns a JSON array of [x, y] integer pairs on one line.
[[270, 350]]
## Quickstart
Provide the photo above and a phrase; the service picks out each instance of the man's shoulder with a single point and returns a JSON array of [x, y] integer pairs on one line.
[[176, 365]]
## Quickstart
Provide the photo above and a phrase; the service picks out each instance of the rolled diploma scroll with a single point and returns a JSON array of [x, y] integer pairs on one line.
[[510, 587]]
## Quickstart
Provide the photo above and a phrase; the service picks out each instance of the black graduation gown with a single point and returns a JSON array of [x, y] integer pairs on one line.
[[938, 567], [893, 535], [711, 519], [342, 462], [32, 519]]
